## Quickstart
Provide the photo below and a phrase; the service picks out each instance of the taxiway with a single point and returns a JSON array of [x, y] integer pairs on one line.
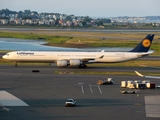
[[44, 94]]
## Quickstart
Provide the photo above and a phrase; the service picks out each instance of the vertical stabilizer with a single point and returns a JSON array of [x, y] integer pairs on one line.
[[144, 45]]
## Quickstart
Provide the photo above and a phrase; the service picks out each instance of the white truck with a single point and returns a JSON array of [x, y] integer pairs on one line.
[[70, 103]]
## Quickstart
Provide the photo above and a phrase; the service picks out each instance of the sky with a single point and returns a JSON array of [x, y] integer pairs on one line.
[[92, 8]]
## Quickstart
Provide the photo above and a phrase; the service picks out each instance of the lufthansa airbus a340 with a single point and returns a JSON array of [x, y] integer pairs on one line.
[[64, 59]]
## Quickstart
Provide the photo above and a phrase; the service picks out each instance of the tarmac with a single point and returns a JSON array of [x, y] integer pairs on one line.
[[36, 93]]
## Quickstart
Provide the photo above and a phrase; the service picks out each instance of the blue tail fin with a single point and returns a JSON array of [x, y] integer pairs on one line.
[[144, 45]]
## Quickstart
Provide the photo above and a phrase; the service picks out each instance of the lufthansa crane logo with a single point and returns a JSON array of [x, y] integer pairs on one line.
[[146, 43]]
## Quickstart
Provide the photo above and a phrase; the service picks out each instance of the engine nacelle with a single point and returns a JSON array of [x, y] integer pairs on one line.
[[62, 63], [75, 62]]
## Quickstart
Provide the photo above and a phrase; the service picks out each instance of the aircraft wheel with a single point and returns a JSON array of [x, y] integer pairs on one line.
[[83, 66], [15, 64]]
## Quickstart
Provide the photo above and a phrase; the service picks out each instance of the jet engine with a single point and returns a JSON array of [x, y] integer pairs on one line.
[[62, 63], [75, 62]]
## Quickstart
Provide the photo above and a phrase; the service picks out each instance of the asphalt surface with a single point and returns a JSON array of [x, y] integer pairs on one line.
[[46, 93]]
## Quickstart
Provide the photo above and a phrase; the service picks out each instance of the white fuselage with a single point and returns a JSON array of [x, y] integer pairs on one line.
[[93, 57]]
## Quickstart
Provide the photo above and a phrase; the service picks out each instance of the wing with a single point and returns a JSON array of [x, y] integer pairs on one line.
[[85, 59], [150, 66], [139, 74]]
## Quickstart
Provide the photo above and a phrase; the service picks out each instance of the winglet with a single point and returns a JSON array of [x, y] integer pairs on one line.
[[139, 74], [144, 45]]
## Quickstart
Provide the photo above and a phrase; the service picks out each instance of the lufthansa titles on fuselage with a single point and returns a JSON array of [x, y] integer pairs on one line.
[[25, 53]]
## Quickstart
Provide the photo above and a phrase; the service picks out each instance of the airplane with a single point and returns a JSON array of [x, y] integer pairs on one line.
[[139, 74], [64, 59]]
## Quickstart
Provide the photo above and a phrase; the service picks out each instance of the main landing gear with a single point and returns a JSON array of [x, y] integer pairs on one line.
[[82, 66], [15, 64]]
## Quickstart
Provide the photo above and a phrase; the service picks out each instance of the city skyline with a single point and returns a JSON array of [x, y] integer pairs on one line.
[[101, 8]]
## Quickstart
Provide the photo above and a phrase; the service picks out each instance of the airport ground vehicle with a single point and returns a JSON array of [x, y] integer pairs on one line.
[[128, 91], [70, 103], [109, 81]]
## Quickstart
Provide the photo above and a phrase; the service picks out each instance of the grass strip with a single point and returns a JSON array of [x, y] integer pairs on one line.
[[105, 73]]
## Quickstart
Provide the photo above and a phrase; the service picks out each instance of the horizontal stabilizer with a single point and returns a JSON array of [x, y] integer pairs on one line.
[[145, 54]]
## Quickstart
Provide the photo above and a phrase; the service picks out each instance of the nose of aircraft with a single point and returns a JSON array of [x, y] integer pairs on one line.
[[4, 56]]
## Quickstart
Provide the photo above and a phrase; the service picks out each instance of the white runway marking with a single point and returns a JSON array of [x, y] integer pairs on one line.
[[81, 84], [152, 106], [7, 99], [99, 89], [90, 88], [82, 88]]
